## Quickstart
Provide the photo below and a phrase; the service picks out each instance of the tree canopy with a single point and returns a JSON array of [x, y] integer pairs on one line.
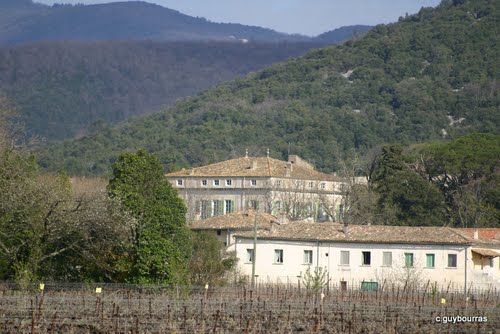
[[161, 245]]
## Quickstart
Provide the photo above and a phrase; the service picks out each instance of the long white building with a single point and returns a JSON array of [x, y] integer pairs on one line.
[[377, 255]]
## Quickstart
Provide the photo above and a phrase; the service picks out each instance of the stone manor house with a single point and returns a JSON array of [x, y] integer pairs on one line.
[[291, 188]]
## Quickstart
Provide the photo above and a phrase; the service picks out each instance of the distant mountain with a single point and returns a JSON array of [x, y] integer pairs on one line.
[[431, 76], [342, 34], [22, 21], [61, 88]]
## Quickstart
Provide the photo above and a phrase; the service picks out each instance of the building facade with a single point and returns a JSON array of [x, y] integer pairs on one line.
[[293, 188], [374, 255]]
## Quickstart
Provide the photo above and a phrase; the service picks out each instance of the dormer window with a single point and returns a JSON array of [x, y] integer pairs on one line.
[[229, 182], [180, 183]]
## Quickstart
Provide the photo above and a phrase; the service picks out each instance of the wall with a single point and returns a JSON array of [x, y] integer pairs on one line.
[[328, 253]]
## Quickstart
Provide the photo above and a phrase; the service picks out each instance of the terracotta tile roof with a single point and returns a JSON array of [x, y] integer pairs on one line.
[[256, 167], [485, 233], [361, 233], [240, 220], [487, 237]]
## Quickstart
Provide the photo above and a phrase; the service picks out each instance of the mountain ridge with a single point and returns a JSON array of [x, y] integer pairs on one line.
[[406, 82], [119, 20]]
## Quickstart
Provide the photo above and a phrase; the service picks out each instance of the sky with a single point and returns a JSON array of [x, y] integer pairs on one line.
[[306, 17]]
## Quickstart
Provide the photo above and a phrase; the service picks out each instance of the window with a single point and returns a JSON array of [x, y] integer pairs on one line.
[[180, 183], [311, 184], [216, 183], [367, 258], [322, 185], [229, 206], [205, 209], [253, 183], [408, 259], [387, 259], [452, 260], [278, 183], [278, 256], [308, 257], [229, 183], [219, 232], [369, 286], [204, 183], [430, 260], [217, 208], [249, 255], [344, 258], [253, 204]]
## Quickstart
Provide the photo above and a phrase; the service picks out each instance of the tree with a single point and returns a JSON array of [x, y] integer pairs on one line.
[[405, 198], [210, 260], [466, 170], [46, 231], [161, 240]]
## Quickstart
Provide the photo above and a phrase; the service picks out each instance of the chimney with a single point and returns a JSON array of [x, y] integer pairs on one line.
[[288, 169], [296, 160], [191, 171], [345, 228], [476, 234], [281, 219], [254, 164]]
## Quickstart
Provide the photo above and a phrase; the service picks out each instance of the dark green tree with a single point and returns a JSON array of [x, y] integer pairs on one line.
[[405, 198], [161, 241], [466, 170]]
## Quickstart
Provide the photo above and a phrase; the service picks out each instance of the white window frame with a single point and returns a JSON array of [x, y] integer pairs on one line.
[[433, 260], [253, 183], [387, 259], [180, 183], [450, 256], [228, 204], [204, 183], [308, 257], [229, 183], [322, 185], [412, 256], [216, 183], [278, 256], [343, 258], [250, 255], [311, 184], [363, 262]]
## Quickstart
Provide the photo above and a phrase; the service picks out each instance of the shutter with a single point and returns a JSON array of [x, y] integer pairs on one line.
[[232, 206], [197, 207], [221, 207], [209, 209]]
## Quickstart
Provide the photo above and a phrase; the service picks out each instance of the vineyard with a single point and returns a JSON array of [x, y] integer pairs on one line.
[[66, 308]]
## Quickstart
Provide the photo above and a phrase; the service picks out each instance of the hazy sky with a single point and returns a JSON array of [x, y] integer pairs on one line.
[[309, 17]]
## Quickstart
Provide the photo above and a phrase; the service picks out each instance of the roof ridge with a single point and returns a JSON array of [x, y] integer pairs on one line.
[[457, 233]]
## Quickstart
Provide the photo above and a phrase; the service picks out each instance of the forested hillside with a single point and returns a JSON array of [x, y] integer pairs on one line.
[[342, 34], [61, 88], [432, 75], [22, 21]]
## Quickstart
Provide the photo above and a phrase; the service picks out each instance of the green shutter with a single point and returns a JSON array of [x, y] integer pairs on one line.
[[232, 206], [209, 209], [221, 207]]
